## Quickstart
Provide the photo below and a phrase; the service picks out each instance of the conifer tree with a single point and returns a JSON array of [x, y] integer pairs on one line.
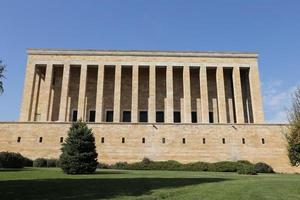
[[79, 154]]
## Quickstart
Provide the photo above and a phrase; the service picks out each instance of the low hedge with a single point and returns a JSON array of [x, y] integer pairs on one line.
[[242, 166], [13, 160], [246, 169], [43, 162], [263, 168]]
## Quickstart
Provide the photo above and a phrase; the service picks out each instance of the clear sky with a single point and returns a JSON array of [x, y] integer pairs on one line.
[[269, 27]]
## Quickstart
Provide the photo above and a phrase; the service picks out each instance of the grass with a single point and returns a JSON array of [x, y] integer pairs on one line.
[[51, 183]]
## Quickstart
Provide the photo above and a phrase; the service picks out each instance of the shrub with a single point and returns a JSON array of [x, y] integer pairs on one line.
[[27, 162], [246, 169], [224, 166], [79, 154], [103, 166], [52, 162], [263, 168], [11, 160], [40, 162], [165, 165], [197, 166], [146, 161], [244, 162], [120, 165]]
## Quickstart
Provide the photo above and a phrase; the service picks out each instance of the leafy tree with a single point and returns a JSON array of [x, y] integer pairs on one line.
[[2, 69], [293, 136], [79, 154]]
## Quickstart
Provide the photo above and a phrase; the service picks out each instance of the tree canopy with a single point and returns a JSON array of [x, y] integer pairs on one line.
[[79, 154], [293, 135], [2, 69]]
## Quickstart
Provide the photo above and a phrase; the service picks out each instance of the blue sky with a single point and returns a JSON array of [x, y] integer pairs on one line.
[[271, 28]]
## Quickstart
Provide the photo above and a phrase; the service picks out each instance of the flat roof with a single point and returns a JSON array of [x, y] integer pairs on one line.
[[154, 53]]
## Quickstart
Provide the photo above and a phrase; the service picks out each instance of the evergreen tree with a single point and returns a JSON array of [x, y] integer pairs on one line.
[[79, 154]]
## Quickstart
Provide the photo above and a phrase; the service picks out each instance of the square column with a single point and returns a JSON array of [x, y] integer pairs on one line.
[[221, 95], [230, 109], [99, 93], [81, 95], [169, 99], [28, 93], [45, 101], [204, 94], [135, 94], [35, 93], [199, 113], [64, 94], [237, 90], [255, 92], [117, 93], [152, 95], [187, 94]]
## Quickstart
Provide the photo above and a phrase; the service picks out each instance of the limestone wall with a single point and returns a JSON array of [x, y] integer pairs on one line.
[[112, 150]]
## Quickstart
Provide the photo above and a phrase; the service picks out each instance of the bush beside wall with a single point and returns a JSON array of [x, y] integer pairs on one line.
[[242, 166], [13, 160], [43, 162]]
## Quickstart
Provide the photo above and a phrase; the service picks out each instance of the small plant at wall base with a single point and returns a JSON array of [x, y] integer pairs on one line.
[[79, 154], [2, 69], [293, 136]]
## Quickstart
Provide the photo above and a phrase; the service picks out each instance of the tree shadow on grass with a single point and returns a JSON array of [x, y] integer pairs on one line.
[[91, 188], [14, 169]]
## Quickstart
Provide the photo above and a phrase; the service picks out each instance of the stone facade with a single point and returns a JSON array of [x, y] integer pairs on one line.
[[211, 100], [206, 86], [273, 151]]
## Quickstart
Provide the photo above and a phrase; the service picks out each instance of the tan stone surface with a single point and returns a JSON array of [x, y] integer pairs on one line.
[[221, 95], [64, 93], [273, 152], [238, 95]]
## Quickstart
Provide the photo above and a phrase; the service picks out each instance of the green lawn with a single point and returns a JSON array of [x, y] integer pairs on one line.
[[34, 183]]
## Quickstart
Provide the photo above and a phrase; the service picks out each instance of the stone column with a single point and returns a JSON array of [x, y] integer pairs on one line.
[[204, 94], [35, 94], [26, 110], [169, 108], [135, 94], [237, 90], [215, 110], [152, 95], [81, 95], [99, 93], [187, 94], [64, 94], [221, 95], [230, 109], [255, 92], [117, 93], [45, 101], [199, 113]]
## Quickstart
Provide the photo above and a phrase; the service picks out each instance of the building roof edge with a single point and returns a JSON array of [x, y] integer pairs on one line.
[[93, 52]]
